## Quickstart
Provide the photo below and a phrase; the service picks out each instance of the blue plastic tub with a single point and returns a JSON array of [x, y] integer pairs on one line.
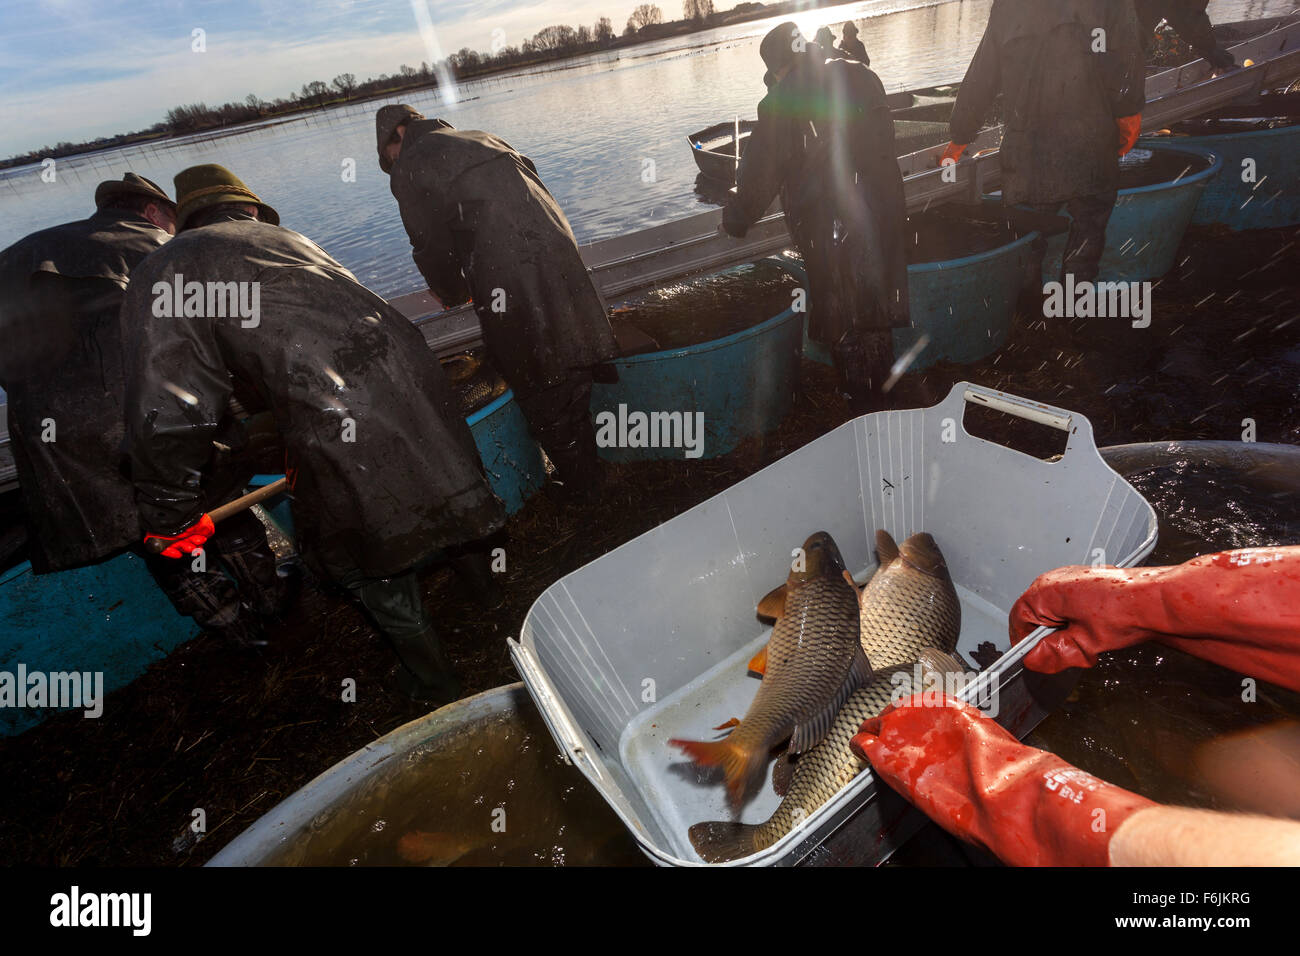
[[109, 619], [1148, 223], [742, 385], [964, 306], [512, 459], [1271, 201]]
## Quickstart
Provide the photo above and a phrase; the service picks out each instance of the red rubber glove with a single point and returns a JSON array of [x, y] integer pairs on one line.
[[188, 541], [953, 152], [1026, 806], [1130, 128], [1237, 609]]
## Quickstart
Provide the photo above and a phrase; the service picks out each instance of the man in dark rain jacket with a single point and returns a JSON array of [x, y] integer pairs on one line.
[[851, 46], [382, 466], [1190, 21], [825, 142], [483, 226], [1072, 82], [61, 364]]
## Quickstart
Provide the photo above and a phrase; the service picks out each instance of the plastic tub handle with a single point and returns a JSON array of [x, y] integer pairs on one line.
[[1021, 408]]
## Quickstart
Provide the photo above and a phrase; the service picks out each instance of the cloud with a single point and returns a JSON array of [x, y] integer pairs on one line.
[[74, 70]]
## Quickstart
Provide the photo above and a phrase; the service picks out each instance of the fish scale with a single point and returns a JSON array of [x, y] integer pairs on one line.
[[909, 616], [821, 606], [903, 612], [825, 769], [815, 660]]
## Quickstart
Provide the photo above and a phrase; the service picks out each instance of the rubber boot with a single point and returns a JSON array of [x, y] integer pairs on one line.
[[425, 676], [578, 468], [862, 360], [475, 572]]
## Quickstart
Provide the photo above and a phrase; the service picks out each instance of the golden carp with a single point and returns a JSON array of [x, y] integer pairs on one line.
[[909, 617], [815, 661], [823, 771]]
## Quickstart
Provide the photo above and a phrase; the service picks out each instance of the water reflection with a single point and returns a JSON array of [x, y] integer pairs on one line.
[[607, 132]]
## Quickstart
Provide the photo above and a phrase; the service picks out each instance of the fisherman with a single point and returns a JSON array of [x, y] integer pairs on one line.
[[382, 468], [825, 142], [1238, 609], [1190, 21], [826, 40], [62, 367], [483, 227], [1072, 83], [851, 46]]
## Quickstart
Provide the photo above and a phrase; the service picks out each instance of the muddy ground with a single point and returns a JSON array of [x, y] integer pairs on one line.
[[235, 731]]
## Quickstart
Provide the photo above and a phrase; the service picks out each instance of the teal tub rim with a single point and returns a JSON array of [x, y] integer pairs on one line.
[[1202, 177], [711, 345], [500, 401], [942, 265], [1183, 141], [1199, 178]]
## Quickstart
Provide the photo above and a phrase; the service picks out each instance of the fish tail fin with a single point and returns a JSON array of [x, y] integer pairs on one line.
[[717, 841], [741, 766]]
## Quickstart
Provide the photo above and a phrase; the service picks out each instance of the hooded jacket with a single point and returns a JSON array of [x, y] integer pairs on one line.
[[483, 226], [1066, 71], [383, 470], [825, 142], [61, 365]]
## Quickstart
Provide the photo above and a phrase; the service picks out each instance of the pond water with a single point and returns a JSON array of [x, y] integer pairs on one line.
[[607, 132]]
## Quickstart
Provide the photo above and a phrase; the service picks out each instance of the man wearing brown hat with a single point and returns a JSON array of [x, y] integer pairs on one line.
[[484, 227], [383, 470], [62, 367], [825, 143]]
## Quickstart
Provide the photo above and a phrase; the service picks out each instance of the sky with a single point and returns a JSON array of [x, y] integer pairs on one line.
[[76, 69]]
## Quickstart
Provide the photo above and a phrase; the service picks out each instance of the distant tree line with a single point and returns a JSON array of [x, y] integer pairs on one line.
[[549, 43]]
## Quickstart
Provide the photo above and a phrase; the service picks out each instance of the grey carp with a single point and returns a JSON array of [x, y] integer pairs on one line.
[[815, 661], [909, 616]]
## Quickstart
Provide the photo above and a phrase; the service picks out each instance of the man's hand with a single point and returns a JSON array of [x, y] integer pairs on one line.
[[1130, 128], [1238, 609], [188, 541], [1026, 806], [953, 153]]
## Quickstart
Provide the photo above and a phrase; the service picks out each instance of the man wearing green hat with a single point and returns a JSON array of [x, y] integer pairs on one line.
[[382, 468], [484, 227], [62, 367]]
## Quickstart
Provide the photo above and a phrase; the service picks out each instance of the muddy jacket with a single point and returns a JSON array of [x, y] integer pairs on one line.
[[854, 49], [61, 365], [825, 143], [483, 226], [382, 466], [1060, 99]]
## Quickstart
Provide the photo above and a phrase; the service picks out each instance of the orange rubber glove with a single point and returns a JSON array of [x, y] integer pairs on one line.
[[1237, 609], [188, 541], [953, 152], [1130, 128], [966, 773]]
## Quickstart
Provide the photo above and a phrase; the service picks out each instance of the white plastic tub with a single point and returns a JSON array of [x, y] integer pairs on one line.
[[650, 641]]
